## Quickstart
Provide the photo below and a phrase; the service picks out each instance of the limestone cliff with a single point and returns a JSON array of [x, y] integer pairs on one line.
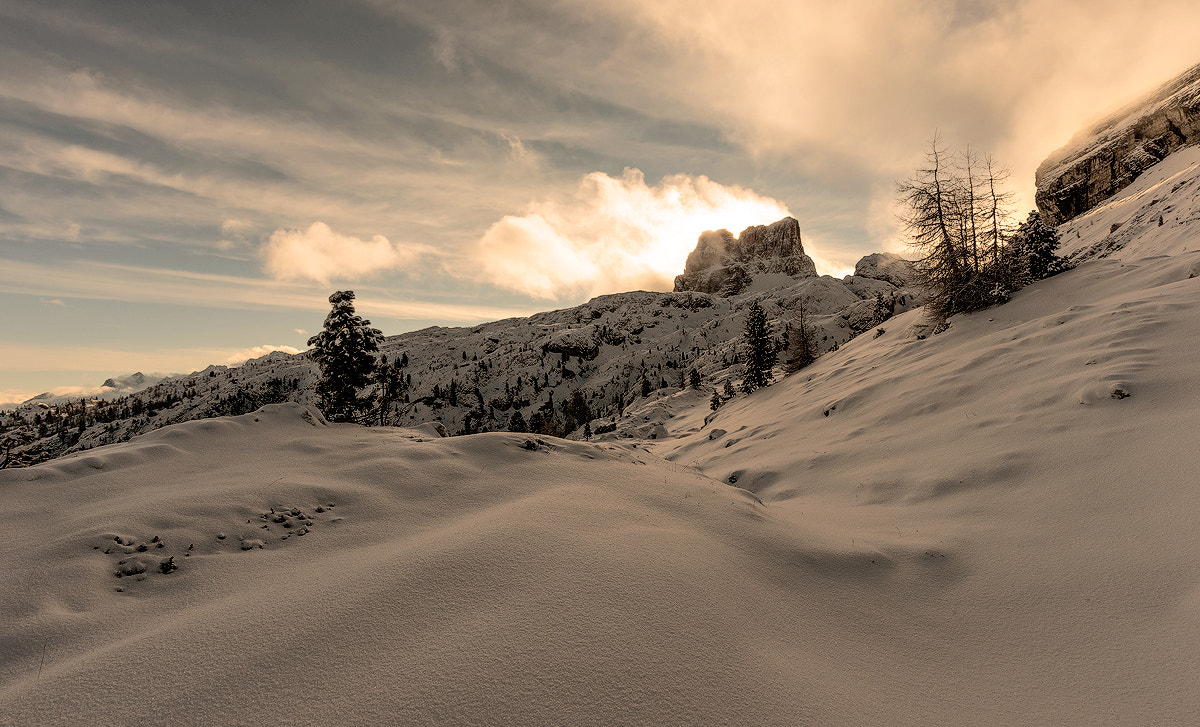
[[725, 265], [1104, 159]]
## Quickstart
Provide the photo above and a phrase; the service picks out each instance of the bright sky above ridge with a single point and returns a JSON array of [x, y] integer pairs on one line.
[[185, 183]]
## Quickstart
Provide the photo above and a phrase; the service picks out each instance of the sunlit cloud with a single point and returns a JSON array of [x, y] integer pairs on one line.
[[320, 254], [870, 80], [614, 234], [12, 397]]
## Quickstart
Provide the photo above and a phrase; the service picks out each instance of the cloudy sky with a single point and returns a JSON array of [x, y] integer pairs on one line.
[[184, 183]]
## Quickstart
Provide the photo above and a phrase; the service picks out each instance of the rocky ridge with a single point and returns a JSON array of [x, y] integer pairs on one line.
[[1101, 161], [610, 349]]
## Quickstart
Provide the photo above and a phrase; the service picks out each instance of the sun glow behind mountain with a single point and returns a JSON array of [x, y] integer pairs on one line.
[[614, 234]]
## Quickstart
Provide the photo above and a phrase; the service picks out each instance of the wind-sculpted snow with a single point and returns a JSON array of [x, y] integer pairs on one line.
[[440, 581]]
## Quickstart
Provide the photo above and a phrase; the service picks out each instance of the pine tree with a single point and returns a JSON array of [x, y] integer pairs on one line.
[[694, 378], [759, 347], [1039, 244], [715, 402], [345, 352], [576, 411]]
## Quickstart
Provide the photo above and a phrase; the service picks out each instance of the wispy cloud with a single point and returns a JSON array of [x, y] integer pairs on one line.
[[853, 89], [106, 281]]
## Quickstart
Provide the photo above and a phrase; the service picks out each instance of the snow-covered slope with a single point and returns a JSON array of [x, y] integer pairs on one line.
[[990, 526], [1014, 500]]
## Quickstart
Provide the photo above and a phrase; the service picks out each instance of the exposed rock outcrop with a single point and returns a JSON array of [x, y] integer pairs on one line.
[[724, 265], [1104, 159], [886, 266]]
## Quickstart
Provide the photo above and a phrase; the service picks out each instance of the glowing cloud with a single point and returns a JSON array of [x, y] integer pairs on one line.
[[614, 234], [320, 254]]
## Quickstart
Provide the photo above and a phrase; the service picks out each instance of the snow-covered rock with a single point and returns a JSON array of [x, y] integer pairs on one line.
[[886, 266], [1108, 156]]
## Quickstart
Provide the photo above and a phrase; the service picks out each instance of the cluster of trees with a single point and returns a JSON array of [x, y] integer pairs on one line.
[[760, 350], [956, 212], [572, 414]]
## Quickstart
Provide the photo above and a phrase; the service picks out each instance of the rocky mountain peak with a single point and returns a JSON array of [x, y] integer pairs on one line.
[[725, 265]]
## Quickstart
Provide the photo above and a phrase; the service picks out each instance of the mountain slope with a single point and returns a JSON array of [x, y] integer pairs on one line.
[[475, 379], [993, 525], [1038, 457]]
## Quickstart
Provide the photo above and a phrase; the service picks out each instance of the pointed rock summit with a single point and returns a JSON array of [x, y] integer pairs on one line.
[[725, 265]]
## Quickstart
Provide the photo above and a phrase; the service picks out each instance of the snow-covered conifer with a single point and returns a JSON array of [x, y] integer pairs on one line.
[[760, 349], [1039, 243], [345, 352]]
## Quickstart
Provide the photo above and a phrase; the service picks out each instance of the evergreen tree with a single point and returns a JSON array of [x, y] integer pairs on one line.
[[345, 352], [694, 378], [576, 411], [536, 422], [759, 349], [1038, 243], [715, 402], [884, 307], [728, 389]]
